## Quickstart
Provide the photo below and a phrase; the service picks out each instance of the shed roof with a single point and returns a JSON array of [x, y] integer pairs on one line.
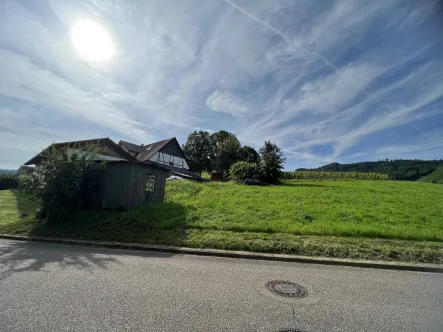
[[105, 140]]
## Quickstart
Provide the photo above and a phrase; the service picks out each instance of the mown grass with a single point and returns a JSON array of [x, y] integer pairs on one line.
[[348, 219]]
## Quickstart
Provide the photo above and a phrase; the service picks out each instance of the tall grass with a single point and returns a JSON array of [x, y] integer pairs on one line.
[[309, 175]]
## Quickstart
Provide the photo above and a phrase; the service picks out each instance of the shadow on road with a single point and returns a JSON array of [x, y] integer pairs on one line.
[[16, 257]]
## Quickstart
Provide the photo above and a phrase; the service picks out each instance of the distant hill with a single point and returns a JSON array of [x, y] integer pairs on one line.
[[434, 177], [8, 171], [399, 169]]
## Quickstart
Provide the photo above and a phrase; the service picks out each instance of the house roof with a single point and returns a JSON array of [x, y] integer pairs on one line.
[[131, 147], [105, 140], [150, 149], [178, 171], [145, 152], [25, 169]]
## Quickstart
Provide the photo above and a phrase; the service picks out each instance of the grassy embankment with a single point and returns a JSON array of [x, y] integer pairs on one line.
[[435, 177], [384, 220]]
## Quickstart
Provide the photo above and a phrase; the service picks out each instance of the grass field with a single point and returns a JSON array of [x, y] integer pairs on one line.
[[435, 177], [350, 219]]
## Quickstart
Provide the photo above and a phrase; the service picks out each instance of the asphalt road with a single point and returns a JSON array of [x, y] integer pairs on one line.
[[50, 287]]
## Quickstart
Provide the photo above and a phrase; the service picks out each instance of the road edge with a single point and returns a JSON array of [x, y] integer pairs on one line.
[[235, 254]]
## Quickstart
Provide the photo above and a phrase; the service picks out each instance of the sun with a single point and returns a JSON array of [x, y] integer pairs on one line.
[[92, 41]]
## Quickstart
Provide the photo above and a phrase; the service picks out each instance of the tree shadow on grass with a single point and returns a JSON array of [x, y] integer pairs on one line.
[[26, 204], [134, 226]]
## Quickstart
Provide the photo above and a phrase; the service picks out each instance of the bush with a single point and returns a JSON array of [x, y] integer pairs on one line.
[[8, 181], [26, 183], [58, 182], [243, 170]]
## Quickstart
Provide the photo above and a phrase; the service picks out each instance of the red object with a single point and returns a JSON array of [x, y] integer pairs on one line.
[[216, 176]]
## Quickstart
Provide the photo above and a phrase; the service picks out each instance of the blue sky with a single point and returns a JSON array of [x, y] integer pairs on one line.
[[341, 81]]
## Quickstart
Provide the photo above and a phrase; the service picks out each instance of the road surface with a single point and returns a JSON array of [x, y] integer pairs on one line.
[[51, 287]]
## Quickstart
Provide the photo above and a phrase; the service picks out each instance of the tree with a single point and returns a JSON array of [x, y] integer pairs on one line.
[[271, 162], [227, 150], [248, 154], [199, 149]]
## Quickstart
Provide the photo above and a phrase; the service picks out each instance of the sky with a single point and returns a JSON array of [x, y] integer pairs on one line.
[[328, 81]]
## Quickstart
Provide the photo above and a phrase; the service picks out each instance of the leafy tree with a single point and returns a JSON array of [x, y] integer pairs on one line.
[[271, 161], [200, 151], [59, 180], [242, 170], [227, 150], [248, 154]]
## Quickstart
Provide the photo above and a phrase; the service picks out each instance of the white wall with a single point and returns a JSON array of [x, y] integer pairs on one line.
[[166, 158]]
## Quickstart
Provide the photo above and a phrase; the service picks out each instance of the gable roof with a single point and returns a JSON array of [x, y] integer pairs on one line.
[[150, 149], [145, 152], [130, 147], [104, 140]]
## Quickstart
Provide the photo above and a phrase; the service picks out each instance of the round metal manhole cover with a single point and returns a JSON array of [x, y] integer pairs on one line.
[[286, 289]]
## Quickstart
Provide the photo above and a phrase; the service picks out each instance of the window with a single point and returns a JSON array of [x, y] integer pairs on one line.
[[150, 183]]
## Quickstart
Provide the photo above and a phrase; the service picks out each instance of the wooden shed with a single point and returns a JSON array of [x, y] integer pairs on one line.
[[125, 185]]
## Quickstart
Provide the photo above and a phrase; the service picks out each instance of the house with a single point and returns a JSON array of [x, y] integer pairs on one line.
[[25, 170], [125, 183], [166, 154]]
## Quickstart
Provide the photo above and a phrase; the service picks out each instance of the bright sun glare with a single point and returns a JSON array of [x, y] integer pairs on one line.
[[92, 41]]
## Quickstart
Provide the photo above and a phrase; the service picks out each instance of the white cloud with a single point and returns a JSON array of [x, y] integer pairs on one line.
[[225, 102]]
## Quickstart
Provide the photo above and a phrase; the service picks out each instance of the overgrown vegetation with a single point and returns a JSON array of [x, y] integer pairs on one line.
[[242, 170], [310, 175], [59, 182], [398, 169], [8, 181], [387, 220], [221, 150]]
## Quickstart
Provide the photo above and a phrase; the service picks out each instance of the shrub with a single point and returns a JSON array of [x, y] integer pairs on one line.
[[25, 183], [242, 170], [59, 180], [8, 181]]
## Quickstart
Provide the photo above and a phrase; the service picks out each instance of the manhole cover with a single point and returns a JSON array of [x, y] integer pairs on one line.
[[286, 289]]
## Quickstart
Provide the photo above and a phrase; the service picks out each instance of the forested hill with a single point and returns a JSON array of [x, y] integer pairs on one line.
[[8, 171], [399, 169]]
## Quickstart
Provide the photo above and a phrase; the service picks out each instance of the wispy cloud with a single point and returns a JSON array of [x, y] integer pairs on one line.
[[325, 80]]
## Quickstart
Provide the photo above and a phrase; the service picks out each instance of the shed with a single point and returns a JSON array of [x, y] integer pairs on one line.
[[124, 185]]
